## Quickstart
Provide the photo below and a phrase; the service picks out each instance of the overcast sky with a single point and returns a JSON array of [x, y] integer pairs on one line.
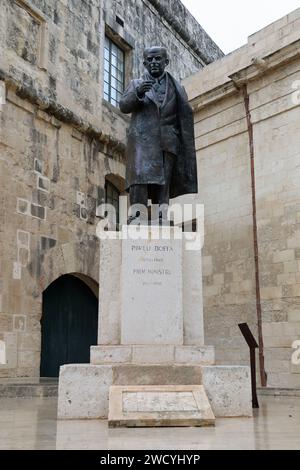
[[230, 22]]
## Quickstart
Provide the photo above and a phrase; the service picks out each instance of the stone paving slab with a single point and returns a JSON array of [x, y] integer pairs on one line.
[[159, 406]]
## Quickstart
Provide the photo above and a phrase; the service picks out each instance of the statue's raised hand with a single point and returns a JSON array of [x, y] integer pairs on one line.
[[145, 86]]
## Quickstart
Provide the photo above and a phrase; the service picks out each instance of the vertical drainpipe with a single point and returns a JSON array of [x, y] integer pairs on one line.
[[263, 376]]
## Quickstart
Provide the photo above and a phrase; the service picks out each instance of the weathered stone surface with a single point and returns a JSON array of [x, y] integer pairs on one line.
[[110, 354], [193, 328], [157, 375], [263, 68], [109, 328], [83, 391], [151, 288], [22, 33], [16, 389], [84, 388], [110, 301], [59, 138], [228, 389], [133, 406], [153, 354], [195, 355]]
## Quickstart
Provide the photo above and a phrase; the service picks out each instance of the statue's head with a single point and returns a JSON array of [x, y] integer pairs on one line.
[[155, 60]]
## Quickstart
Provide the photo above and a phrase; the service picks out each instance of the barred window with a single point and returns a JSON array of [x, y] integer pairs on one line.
[[113, 72], [112, 197]]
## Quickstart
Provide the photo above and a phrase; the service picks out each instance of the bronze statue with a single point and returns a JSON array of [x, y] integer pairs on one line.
[[161, 157]]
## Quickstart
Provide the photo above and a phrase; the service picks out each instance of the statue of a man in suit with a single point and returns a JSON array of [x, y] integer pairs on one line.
[[161, 157]]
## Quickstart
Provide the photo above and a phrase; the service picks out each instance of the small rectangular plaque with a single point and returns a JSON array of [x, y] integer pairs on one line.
[[158, 406]]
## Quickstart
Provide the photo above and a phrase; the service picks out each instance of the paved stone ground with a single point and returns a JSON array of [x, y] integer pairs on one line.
[[30, 423]]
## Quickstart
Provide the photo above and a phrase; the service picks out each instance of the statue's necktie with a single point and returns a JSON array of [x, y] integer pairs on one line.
[[159, 88]]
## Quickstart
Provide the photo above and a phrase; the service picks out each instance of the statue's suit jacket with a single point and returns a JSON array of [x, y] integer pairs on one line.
[[156, 129]]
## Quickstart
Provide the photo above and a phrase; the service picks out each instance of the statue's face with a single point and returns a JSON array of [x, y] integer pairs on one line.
[[155, 62]]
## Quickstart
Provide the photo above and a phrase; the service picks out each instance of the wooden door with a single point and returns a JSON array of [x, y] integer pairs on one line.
[[69, 324]]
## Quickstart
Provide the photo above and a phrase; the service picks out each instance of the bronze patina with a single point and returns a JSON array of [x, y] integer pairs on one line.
[[161, 156]]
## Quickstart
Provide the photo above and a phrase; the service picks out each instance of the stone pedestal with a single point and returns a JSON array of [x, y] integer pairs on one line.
[[150, 289], [150, 304], [150, 328]]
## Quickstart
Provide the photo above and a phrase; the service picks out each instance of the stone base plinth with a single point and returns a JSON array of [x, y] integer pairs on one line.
[[84, 388], [228, 389], [151, 330], [154, 354]]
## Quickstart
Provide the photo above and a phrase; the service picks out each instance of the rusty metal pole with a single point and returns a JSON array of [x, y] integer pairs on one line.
[[263, 376]]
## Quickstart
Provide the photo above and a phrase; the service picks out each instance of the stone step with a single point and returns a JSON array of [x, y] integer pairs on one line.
[[153, 354], [279, 392], [25, 389]]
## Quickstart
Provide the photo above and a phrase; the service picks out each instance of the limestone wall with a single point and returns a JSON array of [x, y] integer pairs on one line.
[[54, 46], [266, 72], [52, 177], [151, 22], [167, 23], [59, 139], [276, 118]]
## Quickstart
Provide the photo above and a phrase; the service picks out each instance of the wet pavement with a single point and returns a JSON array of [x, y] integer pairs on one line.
[[30, 423]]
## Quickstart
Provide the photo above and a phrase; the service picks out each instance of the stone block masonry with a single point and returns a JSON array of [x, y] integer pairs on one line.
[[60, 141], [84, 388], [237, 288]]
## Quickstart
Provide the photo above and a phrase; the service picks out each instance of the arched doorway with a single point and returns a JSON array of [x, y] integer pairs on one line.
[[69, 324]]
